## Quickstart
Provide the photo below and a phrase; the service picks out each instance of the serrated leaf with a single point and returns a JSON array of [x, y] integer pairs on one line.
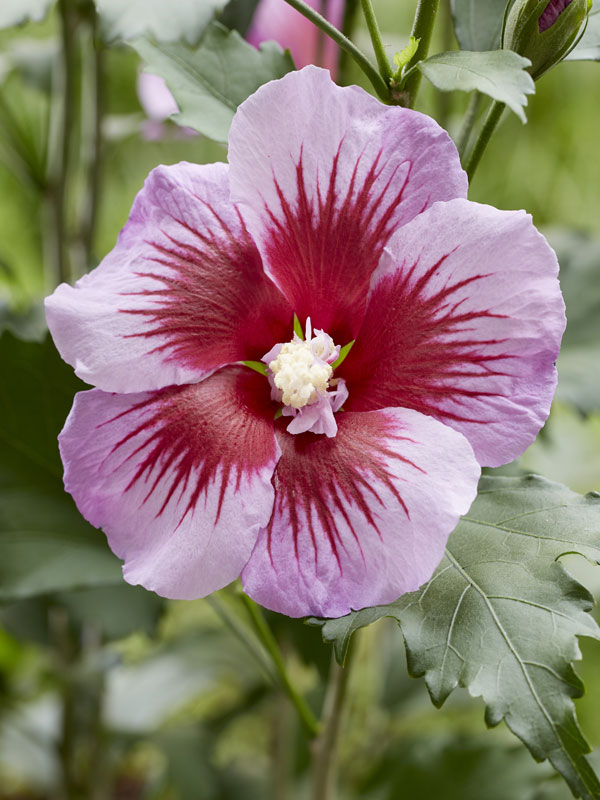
[[588, 48], [164, 21], [45, 544], [211, 80], [501, 74], [478, 23], [15, 12], [501, 617], [578, 377]]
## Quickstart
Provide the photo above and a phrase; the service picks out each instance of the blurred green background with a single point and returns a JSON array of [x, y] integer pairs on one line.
[[111, 692]]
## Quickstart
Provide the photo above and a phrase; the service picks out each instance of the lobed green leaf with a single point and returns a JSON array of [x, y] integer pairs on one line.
[[501, 74], [501, 617], [210, 81]]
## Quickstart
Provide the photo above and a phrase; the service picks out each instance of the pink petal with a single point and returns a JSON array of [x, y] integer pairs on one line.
[[182, 293], [360, 519], [277, 20], [324, 176], [179, 480], [464, 323]]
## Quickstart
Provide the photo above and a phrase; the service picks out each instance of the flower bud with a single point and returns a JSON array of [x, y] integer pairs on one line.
[[544, 30]]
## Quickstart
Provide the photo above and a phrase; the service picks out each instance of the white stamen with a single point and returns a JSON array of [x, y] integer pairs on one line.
[[300, 373]]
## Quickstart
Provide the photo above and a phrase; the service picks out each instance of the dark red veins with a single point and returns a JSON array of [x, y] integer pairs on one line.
[[419, 348], [210, 301], [319, 480], [183, 440], [322, 251]]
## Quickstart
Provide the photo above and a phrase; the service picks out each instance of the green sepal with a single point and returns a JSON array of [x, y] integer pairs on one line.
[[257, 366], [298, 328]]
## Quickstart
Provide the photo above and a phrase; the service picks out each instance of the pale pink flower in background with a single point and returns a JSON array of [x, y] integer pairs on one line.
[[275, 19], [157, 101]]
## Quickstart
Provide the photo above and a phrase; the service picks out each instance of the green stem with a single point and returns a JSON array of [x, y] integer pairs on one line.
[[241, 633], [421, 30], [464, 135], [489, 126], [94, 166], [444, 100], [321, 38], [363, 62], [61, 179], [310, 723], [385, 68], [325, 747], [350, 17]]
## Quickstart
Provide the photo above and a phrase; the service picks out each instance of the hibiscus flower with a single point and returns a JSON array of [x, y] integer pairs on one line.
[[220, 442]]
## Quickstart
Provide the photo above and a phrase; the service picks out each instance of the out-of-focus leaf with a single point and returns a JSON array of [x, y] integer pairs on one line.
[[569, 449], [29, 737], [29, 325], [140, 697], [24, 124], [578, 374], [190, 767], [164, 21], [238, 15], [501, 617], [456, 768], [211, 80], [116, 611], [14, 12], [588, 48], [45, 544], [34, 59], [501, 74], [478, 23]]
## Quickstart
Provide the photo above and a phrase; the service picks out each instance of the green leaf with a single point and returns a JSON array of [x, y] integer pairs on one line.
[[578, 376], [45, 544], [15, 12], [478, 23], [501, 74], [211, 80], [501, 617], [588, 48], [164, 21], [405, 55]]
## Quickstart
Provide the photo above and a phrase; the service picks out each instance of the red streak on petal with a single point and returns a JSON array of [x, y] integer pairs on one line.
[[217, 429], [317, 479], [412, 352], [322, 251], [212, 300]]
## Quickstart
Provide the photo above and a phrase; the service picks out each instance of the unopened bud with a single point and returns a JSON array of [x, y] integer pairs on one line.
[[544, 30]]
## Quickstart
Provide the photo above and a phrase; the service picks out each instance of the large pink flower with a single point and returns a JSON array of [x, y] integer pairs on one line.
[[353, 216]]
